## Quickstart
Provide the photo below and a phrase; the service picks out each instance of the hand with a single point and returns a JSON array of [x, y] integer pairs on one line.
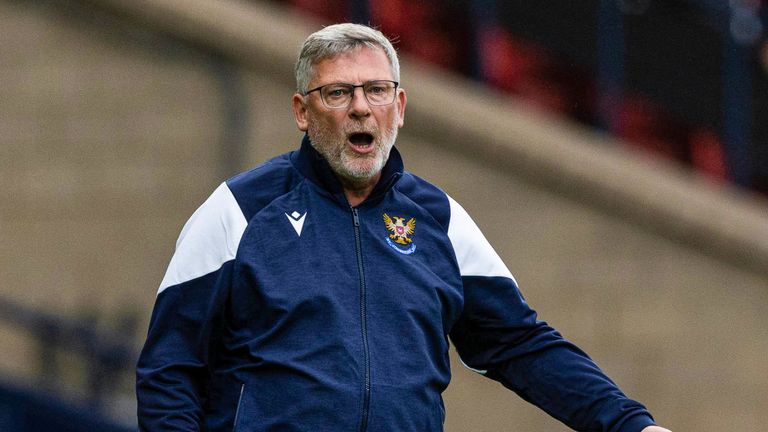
[[655, 429]]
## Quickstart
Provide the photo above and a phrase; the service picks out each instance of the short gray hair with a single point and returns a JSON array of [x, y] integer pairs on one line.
[[338, 39]]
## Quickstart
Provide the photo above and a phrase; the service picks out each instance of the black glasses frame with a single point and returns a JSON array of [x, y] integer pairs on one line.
[[353, 86]]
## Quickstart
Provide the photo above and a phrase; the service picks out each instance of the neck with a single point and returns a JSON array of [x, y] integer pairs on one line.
[[357, 191]]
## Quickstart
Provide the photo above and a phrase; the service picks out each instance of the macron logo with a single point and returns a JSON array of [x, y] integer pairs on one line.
[[297, 221]]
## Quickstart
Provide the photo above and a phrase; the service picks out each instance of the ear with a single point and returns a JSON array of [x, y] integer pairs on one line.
[[401, 101], [300, 112]]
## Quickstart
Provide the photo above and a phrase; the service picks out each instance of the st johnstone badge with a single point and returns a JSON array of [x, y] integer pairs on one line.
[[400, 230]]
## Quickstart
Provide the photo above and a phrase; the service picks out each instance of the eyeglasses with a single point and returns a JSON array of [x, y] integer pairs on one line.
[[339, 95]]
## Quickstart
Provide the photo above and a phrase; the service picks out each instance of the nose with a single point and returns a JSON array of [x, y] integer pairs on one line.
[[358, 106]]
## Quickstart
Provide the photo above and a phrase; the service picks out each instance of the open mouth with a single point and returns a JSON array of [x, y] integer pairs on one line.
[[361, 139]]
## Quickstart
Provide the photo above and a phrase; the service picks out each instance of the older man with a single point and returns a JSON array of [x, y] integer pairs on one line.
[[317, 292]]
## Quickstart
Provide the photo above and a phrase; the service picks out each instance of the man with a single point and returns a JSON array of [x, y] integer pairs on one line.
[[317, 292]]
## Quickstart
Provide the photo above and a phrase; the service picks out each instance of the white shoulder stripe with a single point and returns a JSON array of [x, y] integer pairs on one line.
[[208, 240], [475, 255]]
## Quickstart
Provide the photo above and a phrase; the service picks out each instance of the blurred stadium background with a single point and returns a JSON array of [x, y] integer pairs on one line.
[[615, 152]]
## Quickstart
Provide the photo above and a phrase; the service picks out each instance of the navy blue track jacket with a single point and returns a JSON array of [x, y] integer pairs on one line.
[[285, 309]]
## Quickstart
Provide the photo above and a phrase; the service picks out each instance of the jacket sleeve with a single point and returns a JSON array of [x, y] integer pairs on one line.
[[498, 335], [172, 371]]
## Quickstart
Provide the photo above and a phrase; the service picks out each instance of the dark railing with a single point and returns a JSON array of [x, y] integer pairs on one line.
[[23, 410], [105, 355]]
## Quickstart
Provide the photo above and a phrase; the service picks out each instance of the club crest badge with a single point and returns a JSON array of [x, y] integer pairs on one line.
[[400, 234]]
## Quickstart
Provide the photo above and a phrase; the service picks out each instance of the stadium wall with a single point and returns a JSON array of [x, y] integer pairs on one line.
[[119, 118]]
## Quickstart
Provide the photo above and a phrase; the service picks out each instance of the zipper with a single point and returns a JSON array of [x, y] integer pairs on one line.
[[237, 411], [363, 324]]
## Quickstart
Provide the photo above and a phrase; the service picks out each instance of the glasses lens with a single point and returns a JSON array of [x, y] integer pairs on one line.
[[379, 92], [337, 95]]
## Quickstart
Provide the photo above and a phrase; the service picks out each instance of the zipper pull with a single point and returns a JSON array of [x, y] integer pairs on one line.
[[355, 219]]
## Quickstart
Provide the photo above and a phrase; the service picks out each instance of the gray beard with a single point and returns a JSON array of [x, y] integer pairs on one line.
[[353, 168]]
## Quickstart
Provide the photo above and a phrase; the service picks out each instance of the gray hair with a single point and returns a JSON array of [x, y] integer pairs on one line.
[[338, 39]]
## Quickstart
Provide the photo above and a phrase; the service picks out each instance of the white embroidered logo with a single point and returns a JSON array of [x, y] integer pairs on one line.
[[297, 221]]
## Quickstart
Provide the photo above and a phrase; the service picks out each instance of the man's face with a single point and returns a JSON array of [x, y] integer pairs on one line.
[[355, 140]]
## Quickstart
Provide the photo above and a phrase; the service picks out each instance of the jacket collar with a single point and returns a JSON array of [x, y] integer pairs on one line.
[[314, 167]]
